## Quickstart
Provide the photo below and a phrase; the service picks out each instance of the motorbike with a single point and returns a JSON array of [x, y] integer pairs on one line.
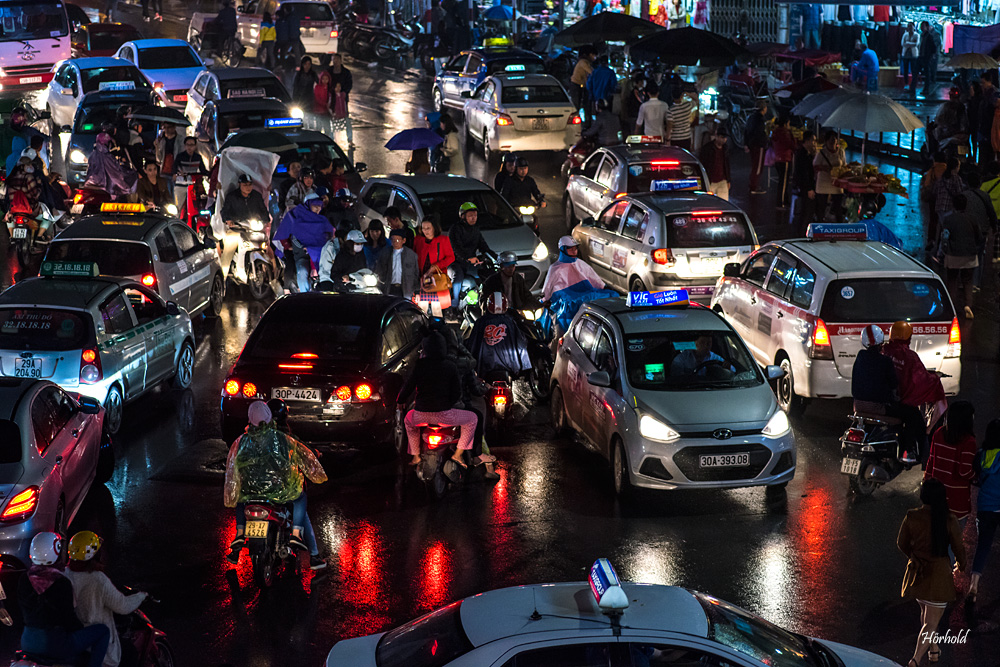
[[268, 530], [143, 644], [499, 404], [578, 153], [30, 233], [871, 451], [254, 264], [436, 470]]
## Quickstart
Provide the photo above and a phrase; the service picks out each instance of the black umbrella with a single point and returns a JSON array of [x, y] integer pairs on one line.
[[689, 46], [606, 27], [265, 140], [155, 114]]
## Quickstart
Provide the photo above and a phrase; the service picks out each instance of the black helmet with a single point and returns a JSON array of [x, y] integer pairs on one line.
[[509, 157], [279, 411], [307, 172], [522, 162], [244, 178]]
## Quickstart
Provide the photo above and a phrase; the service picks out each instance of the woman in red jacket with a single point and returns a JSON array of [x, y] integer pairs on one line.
[[434, 252], [953, 449]]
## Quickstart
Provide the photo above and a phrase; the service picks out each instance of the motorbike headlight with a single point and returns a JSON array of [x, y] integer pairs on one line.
[[370, 280], [528, 315], [526, 210], [256, 226], [76, 156], [171, 209], [297, 112], [541, 252], [777, 425], [654, 429]]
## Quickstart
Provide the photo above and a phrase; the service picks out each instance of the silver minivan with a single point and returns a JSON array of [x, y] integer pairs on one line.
[[654, 241]]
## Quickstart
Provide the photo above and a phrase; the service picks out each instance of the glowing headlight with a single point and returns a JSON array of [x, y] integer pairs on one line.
[[76, 156], [541, 252], [526, 210], [654, 429], [472, 297], [777, 426], [256, 226], [297, 112], [370, 280], [171, 209], [532, 315]]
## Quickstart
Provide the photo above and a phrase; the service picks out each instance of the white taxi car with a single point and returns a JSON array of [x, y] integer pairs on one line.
[[109, 338], [76, 77], [670, 395], [521, 112], [801, 304], [598, 623]]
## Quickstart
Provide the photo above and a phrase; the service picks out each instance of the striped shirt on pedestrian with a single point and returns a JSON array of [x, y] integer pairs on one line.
[[951, 464], [680, 119]]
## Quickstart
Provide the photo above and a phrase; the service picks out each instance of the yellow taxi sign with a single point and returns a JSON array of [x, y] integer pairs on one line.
[[73, 269], [117, 207], [118, 223]]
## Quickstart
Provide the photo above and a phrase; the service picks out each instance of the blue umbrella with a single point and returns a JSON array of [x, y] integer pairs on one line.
[[499, 13], [411, 140]]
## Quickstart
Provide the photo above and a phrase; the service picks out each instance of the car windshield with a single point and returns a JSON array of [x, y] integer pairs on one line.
[[93, 78], [168, 57], [110, 40], [331, 335], [689, 360], [32, 19], [43, 329], [515, 66], [709, 229], [753, 636], [91, 119], [886, 300], [433, 640], [535, 94], [494, 211], [114, 258], [312, 152], [309, 11], [257, 86], [664, 176]]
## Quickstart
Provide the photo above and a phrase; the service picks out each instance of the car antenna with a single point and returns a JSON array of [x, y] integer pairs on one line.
[[535, 616]]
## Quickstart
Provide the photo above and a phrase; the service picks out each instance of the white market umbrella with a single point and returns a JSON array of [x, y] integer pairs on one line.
[[866, 112]]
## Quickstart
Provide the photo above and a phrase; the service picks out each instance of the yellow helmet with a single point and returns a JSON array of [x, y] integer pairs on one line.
[[900, 331], [84, 545]]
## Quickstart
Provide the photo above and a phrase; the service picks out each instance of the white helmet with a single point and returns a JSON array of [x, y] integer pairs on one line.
[[46, 548], [872, 336]]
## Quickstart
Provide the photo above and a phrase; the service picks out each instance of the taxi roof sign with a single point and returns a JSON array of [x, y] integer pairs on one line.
[[607, 589], [122, 207], [837, 231], [283, 122], [643, 139], [674, 297], [69, 269], [514, 68]]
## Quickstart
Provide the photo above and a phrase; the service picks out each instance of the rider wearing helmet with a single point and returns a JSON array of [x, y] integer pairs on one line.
[[521, 189], [51, 627], [97, 599], [350, 259], [305, 186], [466, 242], [497, 342], [511, 284], [507, 167], [568, 270], [917, 385]]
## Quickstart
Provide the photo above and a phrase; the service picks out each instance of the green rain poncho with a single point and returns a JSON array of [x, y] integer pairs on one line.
[[265, 464]]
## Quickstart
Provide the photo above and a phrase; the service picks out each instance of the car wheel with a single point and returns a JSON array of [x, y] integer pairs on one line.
[[438, 102], [637, 285], [185, 367], [105, 461], [216, 297], [619, 469], [785, 391], [557, 413], [487, 150], [113, 405], [569, 213]]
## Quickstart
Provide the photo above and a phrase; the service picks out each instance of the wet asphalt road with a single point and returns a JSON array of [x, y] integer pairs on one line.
[[812, 560]]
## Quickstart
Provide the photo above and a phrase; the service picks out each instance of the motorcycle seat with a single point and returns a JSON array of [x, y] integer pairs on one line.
[[882, 419]]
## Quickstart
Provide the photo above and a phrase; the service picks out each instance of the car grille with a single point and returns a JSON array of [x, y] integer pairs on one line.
[[527, 271], [687, 461], [27, 70]]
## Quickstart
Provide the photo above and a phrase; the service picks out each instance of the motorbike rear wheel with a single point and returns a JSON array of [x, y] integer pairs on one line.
[[162, 654], [264, 566], [539, 379], [259, 280], [861, 486]]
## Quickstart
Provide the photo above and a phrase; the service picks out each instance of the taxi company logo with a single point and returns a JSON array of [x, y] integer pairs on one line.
[[722, 434], [27, 355], [295, 379], [28, 53]]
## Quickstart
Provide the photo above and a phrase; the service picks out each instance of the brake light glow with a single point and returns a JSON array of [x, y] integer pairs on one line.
[[77, 198], [363, 392], [88, 356], [855, 435], [434, 440], [334, 34], [344, 393], [90, 366], [250, 390], [499, 399], [21, 506], [574, 119], [664, 257], [149, 280], [295, 367], [954, 348], [503, 120], [256, 512], [704, 214], [619, 195], [819, 344], [820, 334], [666, 163], [305, 355], [232, 387]]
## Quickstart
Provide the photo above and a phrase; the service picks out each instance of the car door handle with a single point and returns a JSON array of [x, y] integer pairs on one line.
[[58, 460], [780, 314], [753, 299]]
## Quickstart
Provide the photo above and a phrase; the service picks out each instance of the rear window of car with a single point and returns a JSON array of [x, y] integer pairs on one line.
[[168, 57], [309, 11], [110, 40], [433, 640], [10, 442], [93, 78], [43, 329], [533, 95], [514, 66], [252, 87], [886, 300], [714, 230], [113, 258], [664, 176], [328, 335]]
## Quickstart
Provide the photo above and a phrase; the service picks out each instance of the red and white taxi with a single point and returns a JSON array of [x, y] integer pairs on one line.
[[801, 304]]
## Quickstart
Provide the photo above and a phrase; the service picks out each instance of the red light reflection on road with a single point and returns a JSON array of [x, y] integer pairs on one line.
[[433, 589], [361, 560], [813, 529]]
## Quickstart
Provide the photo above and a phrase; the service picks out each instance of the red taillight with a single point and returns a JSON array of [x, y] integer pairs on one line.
[[90, 366], [232, 387], [666, 163], [77, 198], [19, 220], [256, 512], [619, 195], [855, 435], [295, 367], [363, 392], [305, 355], [664, 257], [334, 34], [344, 393], [819, 347], [955, 333], [503, 120], [250, 390], [158, 85], [574, 119], [434, 440], [89, 356], [499, 400], [149, 280], [704, 214], [21, 506]]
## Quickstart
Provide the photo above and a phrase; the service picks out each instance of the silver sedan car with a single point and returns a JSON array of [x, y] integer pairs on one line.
[[51, 451], [670, 395]]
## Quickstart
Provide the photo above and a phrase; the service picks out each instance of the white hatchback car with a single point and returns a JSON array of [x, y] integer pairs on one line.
[[521, 112]]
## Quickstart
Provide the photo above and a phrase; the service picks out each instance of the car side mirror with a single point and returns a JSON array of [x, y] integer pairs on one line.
[[731, 270], [172, 308], [466, 94], [774, 372], [89, 405], [576, 171], [589, 221], [599, 379], [361, 167]]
